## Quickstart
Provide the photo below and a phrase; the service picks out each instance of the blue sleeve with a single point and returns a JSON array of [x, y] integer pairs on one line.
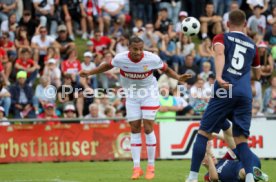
[[174, 102]]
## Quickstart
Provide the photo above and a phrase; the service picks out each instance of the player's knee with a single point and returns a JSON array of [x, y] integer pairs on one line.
[[135, 129], [148, 130], [204, 133]]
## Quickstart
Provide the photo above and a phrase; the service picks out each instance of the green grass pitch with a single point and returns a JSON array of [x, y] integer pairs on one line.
[[118, 171]]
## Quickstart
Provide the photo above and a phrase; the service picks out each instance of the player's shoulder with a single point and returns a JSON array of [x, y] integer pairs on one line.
[[150, 55]]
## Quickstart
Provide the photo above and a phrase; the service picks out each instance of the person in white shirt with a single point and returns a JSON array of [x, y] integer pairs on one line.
[[262, 3], [3, 120], [94, 113], [142, 101], [234, 6], [257, 22], [52, 72], [87, 64]]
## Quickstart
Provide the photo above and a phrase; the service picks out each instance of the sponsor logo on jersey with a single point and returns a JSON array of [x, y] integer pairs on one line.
[[138, 76]]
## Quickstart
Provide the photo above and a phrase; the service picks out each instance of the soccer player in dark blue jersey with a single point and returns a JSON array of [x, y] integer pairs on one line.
[[235, 57]]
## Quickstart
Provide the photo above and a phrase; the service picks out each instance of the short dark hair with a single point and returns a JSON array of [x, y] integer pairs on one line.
[[135, 39], [24, 50], [237, 17]]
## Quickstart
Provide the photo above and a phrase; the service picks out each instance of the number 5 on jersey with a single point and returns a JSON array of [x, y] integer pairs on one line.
[[238, 57]]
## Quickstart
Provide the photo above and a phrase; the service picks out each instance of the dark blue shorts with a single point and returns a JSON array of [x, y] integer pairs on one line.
[[236, 109]]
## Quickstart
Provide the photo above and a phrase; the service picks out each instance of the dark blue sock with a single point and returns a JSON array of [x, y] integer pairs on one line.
[[246, 157], [199, 150], [236, 152]]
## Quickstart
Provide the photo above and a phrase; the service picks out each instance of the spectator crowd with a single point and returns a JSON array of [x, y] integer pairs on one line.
[[45, 43]]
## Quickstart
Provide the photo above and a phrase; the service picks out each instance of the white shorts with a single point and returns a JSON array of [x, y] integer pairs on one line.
[[142, 108]]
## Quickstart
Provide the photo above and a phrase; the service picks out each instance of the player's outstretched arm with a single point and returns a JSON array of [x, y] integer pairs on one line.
[[100, 69], [170, 73]]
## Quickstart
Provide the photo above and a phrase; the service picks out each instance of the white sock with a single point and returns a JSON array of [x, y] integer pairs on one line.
[[249, 177], [136, 144], [151, 146], [193, 175]]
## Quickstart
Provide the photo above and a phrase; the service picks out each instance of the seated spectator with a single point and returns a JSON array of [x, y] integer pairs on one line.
[[101, 43], [112, 10], [72, 65], [116, 31], [8, 53], [40, 44], [168, 105], [69, 93], [90, 47], [52, 72], [44, 94], [266, 61], [206, 53], [233, 6], [49, 114], [69, 112], [271, 19], [9, 26], [256, 91], [22, 97], [199, 99], [45, 11], [22, 40], [7, 8], [150, 38], [29, 23], [269, 100], [87, 65], [184, 47], [3, 60], [73, 11], [190, 68], [65, 42], [167, 52], [138, 28], [178, 27], [3, 120], [121, 45], [25, 63], [163, 24], [210, 22], [93, 12], [181, 102], [257, 22], [209, 85], [270, 38], [206, 71], [52, 53], [94, 113], [256, 109], [5, 98], [109, 112], [262, 3]]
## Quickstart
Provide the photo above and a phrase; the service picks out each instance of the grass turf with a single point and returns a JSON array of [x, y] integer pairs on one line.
[[118, 171]]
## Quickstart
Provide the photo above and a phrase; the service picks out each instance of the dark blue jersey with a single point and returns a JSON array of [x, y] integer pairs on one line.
[[240, 55]]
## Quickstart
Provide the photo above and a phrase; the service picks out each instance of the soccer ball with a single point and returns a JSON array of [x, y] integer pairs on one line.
[[190, 26]]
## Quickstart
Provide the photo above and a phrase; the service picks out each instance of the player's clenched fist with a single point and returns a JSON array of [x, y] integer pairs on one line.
[[184, 77], [84, 73]]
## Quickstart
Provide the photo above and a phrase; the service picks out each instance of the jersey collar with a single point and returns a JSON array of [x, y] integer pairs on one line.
[[135, 61]]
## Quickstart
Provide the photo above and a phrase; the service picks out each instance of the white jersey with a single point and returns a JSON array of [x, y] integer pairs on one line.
[[138, 74]]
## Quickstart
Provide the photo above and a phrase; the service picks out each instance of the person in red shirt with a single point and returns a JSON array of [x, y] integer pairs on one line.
[[49, 114], [101, 43], [25, 63], [3, 60], [72, 65]]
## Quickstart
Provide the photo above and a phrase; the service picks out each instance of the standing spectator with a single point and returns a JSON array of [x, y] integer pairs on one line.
[[173, 7], [88, 64], [112, 9], [7, 7], [93, 12], [144, 10], [101, 43], [168, 105], [72, 65], [45, 11], [233, 6], [5, 98], [210, 22], [221, 6], [49, 114], [257, 22], [163, 24], [40, 44], [25, 63], [52, 72], [94, 113], [190, 68], [22, 97], [29, 23], [150, 38], [65, 42]]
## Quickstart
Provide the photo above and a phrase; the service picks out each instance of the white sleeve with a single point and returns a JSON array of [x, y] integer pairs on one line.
[[115, 62], [158, 63], [249, 21], [263, 22]]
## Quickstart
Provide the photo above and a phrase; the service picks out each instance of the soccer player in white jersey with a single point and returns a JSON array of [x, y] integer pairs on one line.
[[136, 69]]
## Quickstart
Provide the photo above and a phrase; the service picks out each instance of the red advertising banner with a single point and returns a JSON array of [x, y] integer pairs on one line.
[[67, 142]]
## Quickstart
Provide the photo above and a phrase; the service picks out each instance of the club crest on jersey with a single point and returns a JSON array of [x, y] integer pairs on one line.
[[146, 67]]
